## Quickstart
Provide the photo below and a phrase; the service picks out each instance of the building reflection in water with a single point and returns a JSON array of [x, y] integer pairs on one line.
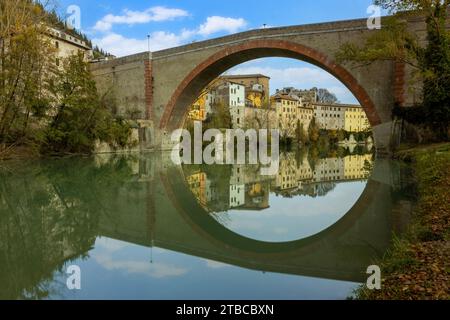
[[298, 174], [53, 213]]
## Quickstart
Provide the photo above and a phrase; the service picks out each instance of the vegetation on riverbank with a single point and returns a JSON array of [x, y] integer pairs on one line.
[[418, 264], [48, 105], [429, 117]]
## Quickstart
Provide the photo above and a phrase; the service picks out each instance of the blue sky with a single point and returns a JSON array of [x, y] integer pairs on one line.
[[121, 28]]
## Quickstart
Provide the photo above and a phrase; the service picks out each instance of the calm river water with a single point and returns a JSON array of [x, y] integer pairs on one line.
[[140, 227]]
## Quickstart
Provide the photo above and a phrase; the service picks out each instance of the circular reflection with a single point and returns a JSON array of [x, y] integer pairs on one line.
[[303, 199], [290, 219]]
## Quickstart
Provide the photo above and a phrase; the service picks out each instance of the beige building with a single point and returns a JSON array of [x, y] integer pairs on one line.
[[305, 113], [286, 108], [351, 118], [329, 169], [287, 173], [290, 110], [67, 45], [329, 116]]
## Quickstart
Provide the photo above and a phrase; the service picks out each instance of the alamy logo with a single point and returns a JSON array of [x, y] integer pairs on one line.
[[374, 280], [74, 280], [224, 150], [374, 21], [73, 20]]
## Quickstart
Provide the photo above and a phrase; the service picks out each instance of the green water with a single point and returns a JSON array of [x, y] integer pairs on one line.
[[140, 227]]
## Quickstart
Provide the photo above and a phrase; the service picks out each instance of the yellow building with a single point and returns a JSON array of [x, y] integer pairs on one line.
[[198, 108], [305, 114], [255, 96], [197, 185], [355, 166], [287, 173], [355, 119]]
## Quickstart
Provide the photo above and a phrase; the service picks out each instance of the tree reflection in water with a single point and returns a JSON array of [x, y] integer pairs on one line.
[[53, 211], [49, 215]]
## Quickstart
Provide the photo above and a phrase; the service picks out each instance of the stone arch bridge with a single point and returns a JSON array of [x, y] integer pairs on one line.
[[157, 88]]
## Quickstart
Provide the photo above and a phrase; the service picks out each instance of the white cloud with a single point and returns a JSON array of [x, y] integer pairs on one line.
[[111, 245], [119, 45], [155, 270], [215, 264], [216, 24], [154, 14]]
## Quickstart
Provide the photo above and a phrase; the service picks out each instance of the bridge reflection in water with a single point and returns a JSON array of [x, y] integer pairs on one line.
[[52, 212]]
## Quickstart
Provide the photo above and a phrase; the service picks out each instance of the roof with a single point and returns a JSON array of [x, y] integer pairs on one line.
[[233, 82], [63, 36], [243, 76], [283, 96], [340, 105]]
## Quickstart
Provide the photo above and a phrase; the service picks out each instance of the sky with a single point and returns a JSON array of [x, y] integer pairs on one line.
[[122, 27]]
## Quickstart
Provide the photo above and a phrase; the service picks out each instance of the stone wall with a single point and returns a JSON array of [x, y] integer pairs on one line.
[[161, 86]]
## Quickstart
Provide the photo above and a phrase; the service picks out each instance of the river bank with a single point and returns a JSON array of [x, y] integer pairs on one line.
[[418, 264]]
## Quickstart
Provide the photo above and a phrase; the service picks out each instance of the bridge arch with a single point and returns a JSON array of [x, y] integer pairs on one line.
[[218, 63]]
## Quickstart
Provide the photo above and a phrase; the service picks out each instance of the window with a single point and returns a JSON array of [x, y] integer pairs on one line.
[[57, 44]]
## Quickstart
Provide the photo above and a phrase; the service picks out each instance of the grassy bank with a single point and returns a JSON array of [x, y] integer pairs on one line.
[[418, 264]]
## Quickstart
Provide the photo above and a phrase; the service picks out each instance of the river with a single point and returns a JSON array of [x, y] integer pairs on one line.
[[141, 227]]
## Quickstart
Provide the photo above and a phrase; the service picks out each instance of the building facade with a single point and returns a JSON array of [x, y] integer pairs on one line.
[[329, 116], [291, 111], [356, 119], [67, 45], [232, 95], [257, 87], [351, 118]]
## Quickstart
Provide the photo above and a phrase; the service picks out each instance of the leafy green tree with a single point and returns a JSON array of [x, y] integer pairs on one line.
[[432, 61], [341, 135], [220, 118], [80, 118], [25, 62]]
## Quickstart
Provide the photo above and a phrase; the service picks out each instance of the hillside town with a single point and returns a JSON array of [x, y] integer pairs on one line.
[[248, 99]]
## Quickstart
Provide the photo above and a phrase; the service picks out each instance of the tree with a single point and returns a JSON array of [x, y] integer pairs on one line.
[[287, 129], [220, 117], [300, 134], [313, 131], [431, 62], [25, 63], [325, 96], [260, 118], [81, 118]]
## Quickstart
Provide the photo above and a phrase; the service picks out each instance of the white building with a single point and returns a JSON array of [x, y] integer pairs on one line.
[[233, 96], [237, 195]]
